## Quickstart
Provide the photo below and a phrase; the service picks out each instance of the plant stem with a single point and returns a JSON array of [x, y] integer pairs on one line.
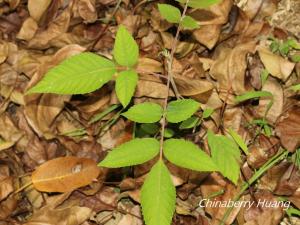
[[170, 80], [271, 162]]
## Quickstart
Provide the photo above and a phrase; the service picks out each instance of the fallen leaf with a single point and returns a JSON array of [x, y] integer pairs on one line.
[[262, 150], [37, 8], [208, 35], [227, 72], [275, 64], [65, 174], [215, 184], [28, 29], [288, 129], [87, 10], [276, 109], [60, 211], [6, 182]]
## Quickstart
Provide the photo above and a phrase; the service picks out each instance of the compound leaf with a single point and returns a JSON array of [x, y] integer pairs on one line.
[[188, 155], [158, 196], [79, 74], [189, 23], [226, 154], [181, 110], [169, 12], [126, 50], [134, 152], [144, 113], [125, 86]]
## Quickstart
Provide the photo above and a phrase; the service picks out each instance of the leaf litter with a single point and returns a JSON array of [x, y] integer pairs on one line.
[[236, 43]]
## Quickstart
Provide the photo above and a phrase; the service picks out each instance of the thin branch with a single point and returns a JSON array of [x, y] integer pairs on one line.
[[170, 80]]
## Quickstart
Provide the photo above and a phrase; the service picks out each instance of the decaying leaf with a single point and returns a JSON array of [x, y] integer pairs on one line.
[[235, 50], [28, 29], [261, 151], [57, 213], [276, 65], [37, 9], [288, 129], [65, 174], [229, 74]]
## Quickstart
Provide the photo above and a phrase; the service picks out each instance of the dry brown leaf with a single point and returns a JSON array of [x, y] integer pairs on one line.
[[226, 70], [194, 88], [6, 182], [60, 211], [295, 198], [262, 150], [215, 184], [208, 35], [148, 65], [37, 8], [275, 64], [7, 206], [152, 87], [87, 10], [263, 215], [56, 28], [215, 14], [3, 52], [289, 182], [10, 133], [65, 174], [276, 109], [28, 29], [288, 129]]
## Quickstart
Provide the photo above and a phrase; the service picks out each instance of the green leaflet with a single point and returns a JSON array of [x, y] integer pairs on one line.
[[158, 196], [207, 113], [295, 87], [188, 155], [238, 139], [134, 152], [150, 128], [189, 23], [264, 76], [125, 86], [293, 212], [79, 74], [181, 110], [191, 122], [226, 154], [144, 113], [170, 13], [169, 133], [197, 4], [295, 58], [126, 50], [253, 94]]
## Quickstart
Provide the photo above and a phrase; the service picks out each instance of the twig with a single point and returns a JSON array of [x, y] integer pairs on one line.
[[170, 80]]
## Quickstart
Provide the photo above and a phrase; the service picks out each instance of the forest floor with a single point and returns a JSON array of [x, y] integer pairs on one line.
[[241, 47]]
